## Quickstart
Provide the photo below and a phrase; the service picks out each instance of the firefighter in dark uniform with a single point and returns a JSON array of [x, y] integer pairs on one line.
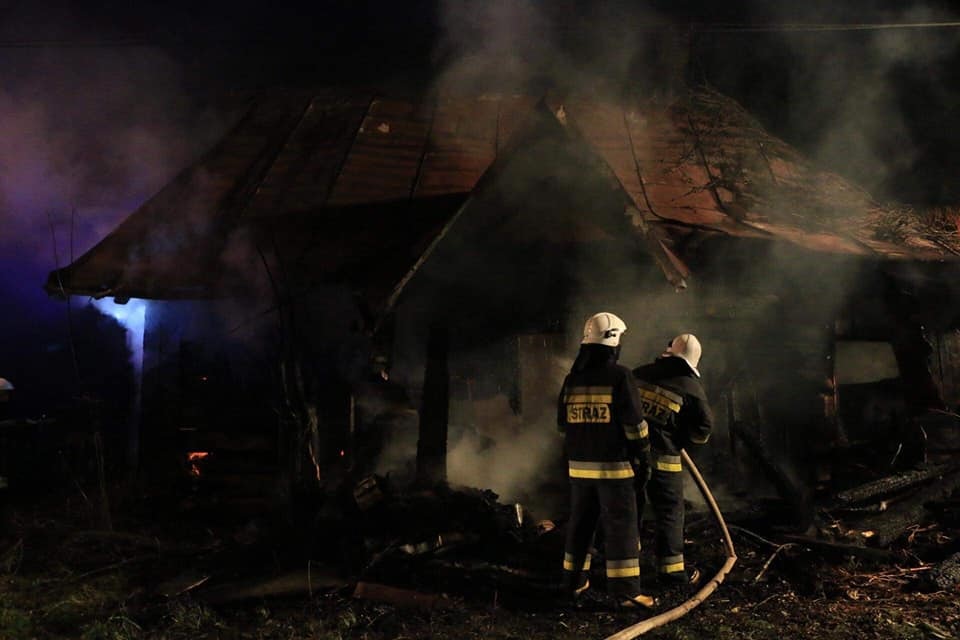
[[606, 447], [676, 409]]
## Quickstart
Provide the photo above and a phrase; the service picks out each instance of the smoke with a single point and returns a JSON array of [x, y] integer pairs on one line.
[[875, 106], [89, 130], [487, 43], [88, 134], [502, 431], [513, 46], [867, 132], [503, 415], [512, 466], [132, 317], [842, 100]]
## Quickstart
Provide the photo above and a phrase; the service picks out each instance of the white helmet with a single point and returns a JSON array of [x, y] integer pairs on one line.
[[686, 347], [5, 385], [603, 328]]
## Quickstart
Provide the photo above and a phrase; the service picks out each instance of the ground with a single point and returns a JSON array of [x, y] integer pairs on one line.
[[61, 577]]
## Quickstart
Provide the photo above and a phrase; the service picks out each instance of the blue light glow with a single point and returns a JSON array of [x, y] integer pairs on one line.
[[132, 316]]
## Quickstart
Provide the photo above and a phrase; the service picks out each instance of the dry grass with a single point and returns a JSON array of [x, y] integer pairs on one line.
[[50, 590]]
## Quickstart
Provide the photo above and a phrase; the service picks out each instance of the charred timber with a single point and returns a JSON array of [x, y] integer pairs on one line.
[[912, 350], [944, 576], [891, 524], [843, 549], [891, 484]]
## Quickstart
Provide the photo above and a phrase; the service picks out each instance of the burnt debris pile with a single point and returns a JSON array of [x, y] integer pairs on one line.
[[456, 540], [370, 540], [883, 519]]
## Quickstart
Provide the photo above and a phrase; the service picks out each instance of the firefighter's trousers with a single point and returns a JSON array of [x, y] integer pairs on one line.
[[665, 493], [612, 504]]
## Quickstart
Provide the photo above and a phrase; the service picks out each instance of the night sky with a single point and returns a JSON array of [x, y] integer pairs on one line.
[[101, 103]]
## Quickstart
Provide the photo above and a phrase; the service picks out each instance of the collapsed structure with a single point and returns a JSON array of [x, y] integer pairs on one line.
[[466, 238]]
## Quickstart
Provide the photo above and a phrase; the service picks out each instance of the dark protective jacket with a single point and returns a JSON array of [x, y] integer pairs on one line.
[[674, 404], [598, 411]]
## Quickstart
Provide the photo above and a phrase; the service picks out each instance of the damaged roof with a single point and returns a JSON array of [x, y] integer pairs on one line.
[[394, 173]]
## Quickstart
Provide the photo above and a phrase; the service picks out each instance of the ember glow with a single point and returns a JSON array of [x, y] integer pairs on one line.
[[194, 458]]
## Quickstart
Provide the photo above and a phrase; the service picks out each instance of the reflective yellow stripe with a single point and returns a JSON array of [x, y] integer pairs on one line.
[[699, 440], [660, 391], [589, 397], [674, 467], [671, 568], [634, 432], [623, 572], [568, 564], [601, 474], [604, 465], [659, 400]]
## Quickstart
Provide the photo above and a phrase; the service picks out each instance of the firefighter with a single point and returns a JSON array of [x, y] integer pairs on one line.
[[675, 407], [606, 447]]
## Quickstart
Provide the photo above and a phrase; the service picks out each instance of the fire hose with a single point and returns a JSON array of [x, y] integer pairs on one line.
[[637, 630]]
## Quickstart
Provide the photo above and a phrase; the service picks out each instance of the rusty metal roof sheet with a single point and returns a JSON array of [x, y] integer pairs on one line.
[[704, 162], [701, 162]]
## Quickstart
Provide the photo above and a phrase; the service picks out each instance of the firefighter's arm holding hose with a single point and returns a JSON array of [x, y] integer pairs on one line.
[[695, 419]]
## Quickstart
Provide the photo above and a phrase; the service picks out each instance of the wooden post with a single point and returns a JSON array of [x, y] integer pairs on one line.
[[913, 352], [434, 411]]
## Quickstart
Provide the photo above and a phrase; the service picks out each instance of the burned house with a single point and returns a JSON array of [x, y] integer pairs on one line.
[[466, 238]]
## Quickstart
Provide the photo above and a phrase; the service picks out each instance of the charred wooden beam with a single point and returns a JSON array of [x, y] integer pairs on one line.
[[840, 548], [945, 576], [891, 484], [891, 524], [434, 412], [913, 352]]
